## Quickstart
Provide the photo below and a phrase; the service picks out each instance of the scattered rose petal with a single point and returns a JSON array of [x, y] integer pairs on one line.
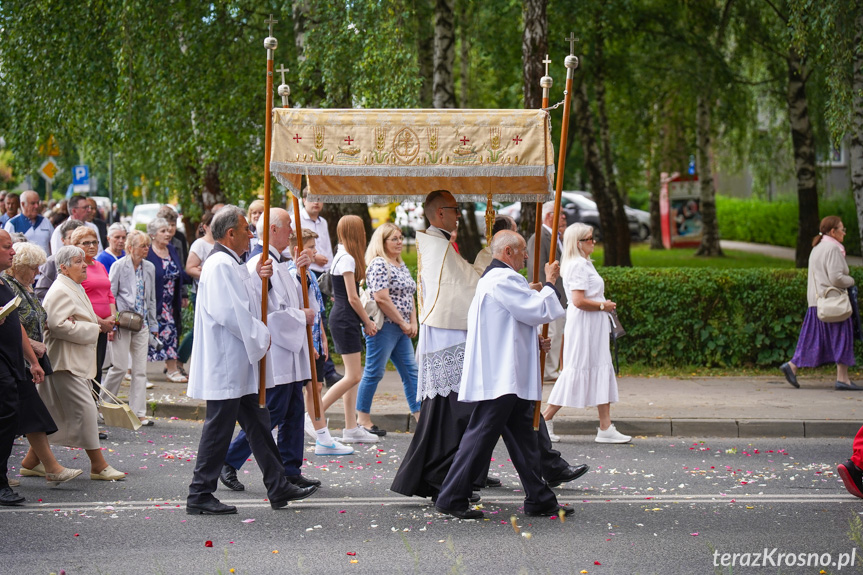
[[248, 520], [208, 543], [352, 553]]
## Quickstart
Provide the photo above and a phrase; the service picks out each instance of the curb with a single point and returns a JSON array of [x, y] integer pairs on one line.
[[658, 427]]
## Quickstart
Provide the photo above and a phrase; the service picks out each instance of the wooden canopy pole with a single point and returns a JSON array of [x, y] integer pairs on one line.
[[270, 44], [571, 63], [285, 92]]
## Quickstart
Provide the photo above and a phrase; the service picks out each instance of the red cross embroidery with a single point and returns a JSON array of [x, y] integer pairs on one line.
[[465, 140], [349, 140], [516, 140], [297, 138]]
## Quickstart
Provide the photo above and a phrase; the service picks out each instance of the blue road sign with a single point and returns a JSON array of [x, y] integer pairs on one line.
[[81, 176]]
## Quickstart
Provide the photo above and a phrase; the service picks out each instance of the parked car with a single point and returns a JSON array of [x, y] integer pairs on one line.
[[143, 214]]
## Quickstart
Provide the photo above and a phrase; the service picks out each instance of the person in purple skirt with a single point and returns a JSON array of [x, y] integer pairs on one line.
[[820, 342]]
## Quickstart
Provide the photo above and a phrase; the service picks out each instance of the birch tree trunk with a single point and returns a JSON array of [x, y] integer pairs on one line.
[[710, 238], [443, 90], [856, 151], [619, 241], [803, 141], [534, 47]]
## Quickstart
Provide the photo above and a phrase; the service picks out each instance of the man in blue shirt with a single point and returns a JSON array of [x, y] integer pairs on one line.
[[35, 227]]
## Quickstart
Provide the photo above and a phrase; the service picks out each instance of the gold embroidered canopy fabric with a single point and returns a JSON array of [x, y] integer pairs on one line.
[[394, 155]]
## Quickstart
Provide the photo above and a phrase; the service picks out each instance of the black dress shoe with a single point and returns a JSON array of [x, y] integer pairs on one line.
[[850, 386], [103, 435], [475, 497], [461, 514], [570, 473], [9, 497], [214, 507], [790, 377], [301, 481], [552, 511], [292, 493], [333, 378], [228, 477], [852, 477], [492, 482], [376, 430]]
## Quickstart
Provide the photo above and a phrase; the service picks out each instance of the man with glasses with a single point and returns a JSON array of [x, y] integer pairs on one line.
[[446, 284], [79, 209], [36, 228]]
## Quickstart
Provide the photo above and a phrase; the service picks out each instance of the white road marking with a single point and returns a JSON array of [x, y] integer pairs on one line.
[[489, 499]]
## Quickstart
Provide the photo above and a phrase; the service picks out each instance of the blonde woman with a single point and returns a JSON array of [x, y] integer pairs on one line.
[[347, 318], [393, 288], [587, 378]]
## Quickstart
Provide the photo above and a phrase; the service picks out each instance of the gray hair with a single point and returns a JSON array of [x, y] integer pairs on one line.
[[66, 254], [547, 208], [116, 227], [227, 218], [69, 226], [504, 239], [157, 224]]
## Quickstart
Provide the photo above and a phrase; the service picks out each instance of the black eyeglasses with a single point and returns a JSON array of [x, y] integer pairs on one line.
[[590, 239]]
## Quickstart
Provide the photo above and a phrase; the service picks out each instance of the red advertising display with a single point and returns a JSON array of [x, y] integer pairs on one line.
[[680, 211]]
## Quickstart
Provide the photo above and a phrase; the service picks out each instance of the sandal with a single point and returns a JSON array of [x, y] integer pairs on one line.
[[177, 377]]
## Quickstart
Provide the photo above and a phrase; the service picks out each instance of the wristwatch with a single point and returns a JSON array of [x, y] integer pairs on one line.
[[602, 306]]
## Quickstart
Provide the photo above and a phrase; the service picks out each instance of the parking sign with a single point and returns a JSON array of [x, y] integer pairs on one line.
[[81, 176]]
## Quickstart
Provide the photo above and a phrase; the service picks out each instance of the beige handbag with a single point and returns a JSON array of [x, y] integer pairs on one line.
[[833, 308], [130, 320], [373, 310], [116, 413]]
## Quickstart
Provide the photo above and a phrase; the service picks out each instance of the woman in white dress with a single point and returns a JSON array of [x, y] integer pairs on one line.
[[587, 378]]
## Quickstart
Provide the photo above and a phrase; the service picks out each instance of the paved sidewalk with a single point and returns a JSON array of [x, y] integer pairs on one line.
[[779, 252], [692, 407]]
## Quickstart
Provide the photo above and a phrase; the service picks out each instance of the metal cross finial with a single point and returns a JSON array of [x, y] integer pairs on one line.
[[283, 70], [270, 23], [572, 40], [547, 61]]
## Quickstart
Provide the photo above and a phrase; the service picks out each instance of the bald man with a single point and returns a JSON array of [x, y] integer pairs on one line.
[[30, 222]]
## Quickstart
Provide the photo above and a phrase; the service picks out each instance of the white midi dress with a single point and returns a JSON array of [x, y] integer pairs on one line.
[[587, 378]]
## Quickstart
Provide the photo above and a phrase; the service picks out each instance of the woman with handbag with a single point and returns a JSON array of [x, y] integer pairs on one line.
[[390, 283], [34, 420], [827, 335], [347, 320], [73, 329], [133, 281], [587, 377]]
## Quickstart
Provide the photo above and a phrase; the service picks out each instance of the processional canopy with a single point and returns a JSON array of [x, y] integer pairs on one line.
[[394, 155]]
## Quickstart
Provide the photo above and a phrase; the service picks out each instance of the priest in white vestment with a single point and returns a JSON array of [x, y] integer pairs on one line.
[[230, 340], [501, 374], [289, 368], [447, 283]]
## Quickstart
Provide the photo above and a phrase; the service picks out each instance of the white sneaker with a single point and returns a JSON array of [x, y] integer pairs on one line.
[[309, 428], [359, 435], [128, 377], [549, 425], [611, 435], [335, 449], [149, 385]]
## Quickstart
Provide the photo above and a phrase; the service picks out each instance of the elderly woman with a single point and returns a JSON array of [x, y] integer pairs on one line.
[[587, 378], [133, 281], [169, 297], [116, 241], [393, 288], [256, 209], [201, 248], [98, 288], [73, 330], [34, 420], [822, 342]]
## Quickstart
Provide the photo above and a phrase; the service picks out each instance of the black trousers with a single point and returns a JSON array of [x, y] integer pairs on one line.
[[511, 417], [216, 437], [101, 350], [8, 422]]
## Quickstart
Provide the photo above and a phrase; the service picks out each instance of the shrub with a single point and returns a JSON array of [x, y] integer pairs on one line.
[[775, 223], [709, 317]]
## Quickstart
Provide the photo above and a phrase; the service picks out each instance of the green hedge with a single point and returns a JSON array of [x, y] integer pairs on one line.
[[709, 317], [775, 223]]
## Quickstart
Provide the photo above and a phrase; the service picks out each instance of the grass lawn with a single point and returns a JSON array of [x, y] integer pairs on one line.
[[643, 256]]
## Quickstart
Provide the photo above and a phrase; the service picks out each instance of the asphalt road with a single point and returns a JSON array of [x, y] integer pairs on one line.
[[665, 506]]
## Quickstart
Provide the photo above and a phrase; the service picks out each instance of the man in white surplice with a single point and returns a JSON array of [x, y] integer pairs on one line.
[[501, 375], [230, 340], [446, 288], [290, 369]]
